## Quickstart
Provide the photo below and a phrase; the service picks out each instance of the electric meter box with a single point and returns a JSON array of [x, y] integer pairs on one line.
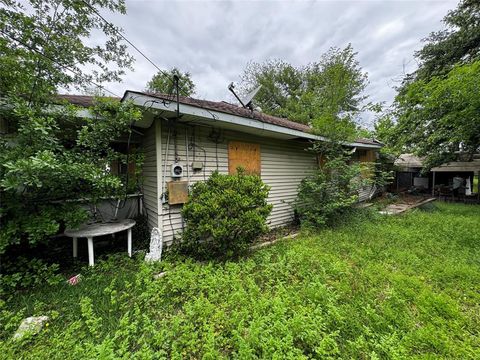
[[177, 170], [197, 165]]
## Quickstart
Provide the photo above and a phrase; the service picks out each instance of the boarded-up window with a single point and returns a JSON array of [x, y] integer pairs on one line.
[[366, 155], [246, 155]]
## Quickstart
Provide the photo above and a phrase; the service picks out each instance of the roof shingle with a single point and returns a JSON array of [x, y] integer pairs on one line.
[[220, 106], [232, 109]]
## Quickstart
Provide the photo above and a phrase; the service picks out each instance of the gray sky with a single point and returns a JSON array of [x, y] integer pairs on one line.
[[214, 40]]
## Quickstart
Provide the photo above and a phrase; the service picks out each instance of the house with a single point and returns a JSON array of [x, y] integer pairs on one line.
[[185, 141], [409, 173]]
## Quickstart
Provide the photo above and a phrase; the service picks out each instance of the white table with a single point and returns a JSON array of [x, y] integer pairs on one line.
[[90, 231]]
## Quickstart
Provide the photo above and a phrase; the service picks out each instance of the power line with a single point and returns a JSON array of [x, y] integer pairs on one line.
[[76, 72], [114, 28]]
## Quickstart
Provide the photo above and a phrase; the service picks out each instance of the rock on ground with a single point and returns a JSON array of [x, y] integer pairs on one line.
[[30, 326]]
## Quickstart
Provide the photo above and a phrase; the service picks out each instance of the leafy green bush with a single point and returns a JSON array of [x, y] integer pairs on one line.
[[26, 273], [50, 158], [225, 214], [328, 192]]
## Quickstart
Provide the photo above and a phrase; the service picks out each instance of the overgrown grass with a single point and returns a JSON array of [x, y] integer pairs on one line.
[[374, 287]]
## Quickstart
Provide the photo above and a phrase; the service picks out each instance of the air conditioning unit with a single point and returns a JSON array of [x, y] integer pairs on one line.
[[177, 170]]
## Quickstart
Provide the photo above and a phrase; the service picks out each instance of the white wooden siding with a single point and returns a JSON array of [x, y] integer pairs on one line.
[[150, 176], [284, 163]]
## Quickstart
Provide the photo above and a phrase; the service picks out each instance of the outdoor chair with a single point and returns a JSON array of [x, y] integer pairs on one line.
[[446, 192]]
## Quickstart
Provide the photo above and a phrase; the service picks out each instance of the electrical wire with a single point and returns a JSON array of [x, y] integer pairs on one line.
[[216, 137], [164, 182], [114, 28]]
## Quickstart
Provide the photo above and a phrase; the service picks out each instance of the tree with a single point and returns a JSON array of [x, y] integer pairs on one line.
[[282, 87], [56, 157], [436, 108], [327, 94], [458, 43], [49, 154], [43, 47], [336, 86], [162, 82], [439, 117]]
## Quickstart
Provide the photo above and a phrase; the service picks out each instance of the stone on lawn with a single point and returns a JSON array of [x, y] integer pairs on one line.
[[30, 326], [160, 275]]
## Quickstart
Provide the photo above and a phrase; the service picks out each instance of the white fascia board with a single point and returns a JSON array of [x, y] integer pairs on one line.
[[364, 146], [81, 112], [212, 115]]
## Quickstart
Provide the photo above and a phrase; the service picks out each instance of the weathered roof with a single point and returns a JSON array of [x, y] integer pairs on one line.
[[458, 166], [220, 106], [409, 161], [369, 141], [82, 100], [227, 108]]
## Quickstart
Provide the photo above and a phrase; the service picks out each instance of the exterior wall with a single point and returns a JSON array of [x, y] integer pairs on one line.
[[284, 163], [367, 156], [150, 192]]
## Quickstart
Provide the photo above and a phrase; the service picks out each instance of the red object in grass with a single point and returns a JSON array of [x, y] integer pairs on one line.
[[74, 280]]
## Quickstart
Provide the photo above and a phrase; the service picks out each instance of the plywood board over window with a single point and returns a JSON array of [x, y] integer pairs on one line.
[[367, 155], [246, 155]]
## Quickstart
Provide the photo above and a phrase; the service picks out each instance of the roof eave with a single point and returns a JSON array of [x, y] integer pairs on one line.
[[151, 102], [144, 100]]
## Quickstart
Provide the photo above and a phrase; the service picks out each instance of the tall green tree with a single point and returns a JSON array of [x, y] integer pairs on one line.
[[335, 88], [282, 86], [162, 82], [436, 109], [43, 46], [436, 118], [49, 154], [459, 42], [328, 94]]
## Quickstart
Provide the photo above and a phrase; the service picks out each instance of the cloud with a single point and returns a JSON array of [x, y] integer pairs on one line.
[[389, 29], [215, 40]]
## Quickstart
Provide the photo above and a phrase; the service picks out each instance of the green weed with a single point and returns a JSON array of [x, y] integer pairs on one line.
[[374, 287]]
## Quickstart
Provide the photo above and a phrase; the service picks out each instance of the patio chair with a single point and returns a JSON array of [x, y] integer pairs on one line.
[[446, 192]]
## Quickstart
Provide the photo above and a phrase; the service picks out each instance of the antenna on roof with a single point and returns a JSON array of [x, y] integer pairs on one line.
[[246, 102]]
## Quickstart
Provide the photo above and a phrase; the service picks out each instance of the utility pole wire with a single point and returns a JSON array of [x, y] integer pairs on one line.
[[114, 28]]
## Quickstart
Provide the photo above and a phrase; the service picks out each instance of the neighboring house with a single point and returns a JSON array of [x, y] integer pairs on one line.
[[185, 142], [409, 173]]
